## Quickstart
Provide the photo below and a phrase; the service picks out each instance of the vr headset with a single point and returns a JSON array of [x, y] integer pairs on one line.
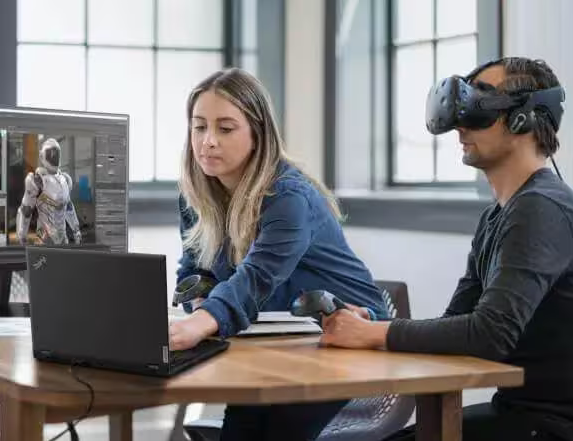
[[455, 102]]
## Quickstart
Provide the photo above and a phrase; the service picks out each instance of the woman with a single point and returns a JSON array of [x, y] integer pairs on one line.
[[265, 230]]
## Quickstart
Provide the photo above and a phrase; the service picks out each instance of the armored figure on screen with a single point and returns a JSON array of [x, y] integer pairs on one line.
[[48, 191]]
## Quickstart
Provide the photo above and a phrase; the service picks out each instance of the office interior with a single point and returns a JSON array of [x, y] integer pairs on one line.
[[348, 79]]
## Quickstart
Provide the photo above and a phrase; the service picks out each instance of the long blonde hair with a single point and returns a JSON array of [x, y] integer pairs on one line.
[[235, 216]]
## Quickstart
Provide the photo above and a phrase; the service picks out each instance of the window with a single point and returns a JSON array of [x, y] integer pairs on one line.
[[386, 57], [140, 57], [436, 42]]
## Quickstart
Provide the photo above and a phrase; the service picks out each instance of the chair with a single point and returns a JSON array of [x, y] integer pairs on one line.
[[362, 418], [13, 285]]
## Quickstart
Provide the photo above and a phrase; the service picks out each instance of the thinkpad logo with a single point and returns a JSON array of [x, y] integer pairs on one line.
[[39, 263]]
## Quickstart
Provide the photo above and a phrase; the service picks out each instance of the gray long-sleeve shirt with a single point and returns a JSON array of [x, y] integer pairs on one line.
[[515, 302]]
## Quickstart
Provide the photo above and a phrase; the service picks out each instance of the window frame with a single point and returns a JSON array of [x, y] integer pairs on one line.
[[229, 52], [392, 134], [155, 202], [445, 206]]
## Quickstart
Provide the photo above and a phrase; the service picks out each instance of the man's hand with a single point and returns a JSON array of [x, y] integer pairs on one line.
[[186, 333], [358, 310], [347, 330]]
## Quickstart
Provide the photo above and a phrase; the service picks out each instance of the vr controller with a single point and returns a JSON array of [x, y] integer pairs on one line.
[[193, 287], [315, 302]]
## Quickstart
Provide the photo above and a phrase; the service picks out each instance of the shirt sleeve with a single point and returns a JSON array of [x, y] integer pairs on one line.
[[283, 239], [467, 292], [535, 243]]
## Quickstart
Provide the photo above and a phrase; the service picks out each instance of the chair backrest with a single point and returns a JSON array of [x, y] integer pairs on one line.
[[395, 295], [377, 417]]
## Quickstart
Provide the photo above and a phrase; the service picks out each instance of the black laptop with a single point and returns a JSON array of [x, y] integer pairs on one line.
[[105, 310]]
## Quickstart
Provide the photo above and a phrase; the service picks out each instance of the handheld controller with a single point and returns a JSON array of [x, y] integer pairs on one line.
[[315, 302], [193, 287]]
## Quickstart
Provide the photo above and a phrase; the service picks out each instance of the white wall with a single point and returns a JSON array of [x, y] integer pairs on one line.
[[542, 29], [304, 82]]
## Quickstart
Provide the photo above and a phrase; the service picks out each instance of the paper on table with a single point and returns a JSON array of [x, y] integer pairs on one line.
[[281, 316], [175, 314], [264, 316], [15, 326], [278, 328], [268, 323]]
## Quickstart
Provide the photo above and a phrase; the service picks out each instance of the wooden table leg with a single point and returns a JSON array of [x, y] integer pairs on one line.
[[121, 426], [20, 420], [439, 417]]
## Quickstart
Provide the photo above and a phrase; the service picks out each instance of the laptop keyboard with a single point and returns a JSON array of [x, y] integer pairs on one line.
[[205, 349]]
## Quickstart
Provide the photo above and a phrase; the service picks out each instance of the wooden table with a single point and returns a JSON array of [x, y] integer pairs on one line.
[[262, 370]]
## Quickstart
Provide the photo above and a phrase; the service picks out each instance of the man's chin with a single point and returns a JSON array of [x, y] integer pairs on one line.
[[471, 160]]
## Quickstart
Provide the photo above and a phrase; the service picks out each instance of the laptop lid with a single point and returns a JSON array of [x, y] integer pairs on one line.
[[110, 308]]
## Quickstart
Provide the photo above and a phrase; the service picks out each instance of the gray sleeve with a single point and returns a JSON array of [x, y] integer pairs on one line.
[[534, 248], [467, 292]]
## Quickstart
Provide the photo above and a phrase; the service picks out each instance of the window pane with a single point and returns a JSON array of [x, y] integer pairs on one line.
[[450, 19], [249, 24], [121, 81], [456, 56], [120, 22], [413, 78], [249, 62], [190, 23], [413, 20], [450, 166], [51, 76], [354, 96], [177, 74], [55, 21]]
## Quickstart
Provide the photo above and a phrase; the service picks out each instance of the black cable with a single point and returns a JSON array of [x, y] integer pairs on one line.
[[72, 424], [556, 168]]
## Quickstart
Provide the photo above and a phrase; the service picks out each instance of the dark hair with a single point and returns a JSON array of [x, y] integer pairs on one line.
[[527, 75]]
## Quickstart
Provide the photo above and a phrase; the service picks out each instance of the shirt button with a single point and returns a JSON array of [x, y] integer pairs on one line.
[[533, 433]]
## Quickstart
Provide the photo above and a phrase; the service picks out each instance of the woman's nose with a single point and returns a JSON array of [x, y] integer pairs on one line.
[[210, 139]]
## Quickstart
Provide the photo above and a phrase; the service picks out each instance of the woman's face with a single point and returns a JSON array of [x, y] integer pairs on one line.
[[221, 138]]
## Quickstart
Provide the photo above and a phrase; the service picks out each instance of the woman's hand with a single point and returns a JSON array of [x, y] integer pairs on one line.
[[347, 330], [186, 333]]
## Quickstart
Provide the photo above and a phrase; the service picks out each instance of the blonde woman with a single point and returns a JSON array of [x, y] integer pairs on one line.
[[264, 230]]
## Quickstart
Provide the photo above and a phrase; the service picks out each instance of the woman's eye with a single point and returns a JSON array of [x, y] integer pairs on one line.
[[199, 128], [226, 129]]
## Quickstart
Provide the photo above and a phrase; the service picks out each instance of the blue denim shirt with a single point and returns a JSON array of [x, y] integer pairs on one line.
[[300, 246]]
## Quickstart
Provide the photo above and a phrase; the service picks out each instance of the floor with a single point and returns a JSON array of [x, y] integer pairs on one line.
[[148, 425]]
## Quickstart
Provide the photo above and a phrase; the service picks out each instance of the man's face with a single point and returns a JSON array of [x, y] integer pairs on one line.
[[486, 148]]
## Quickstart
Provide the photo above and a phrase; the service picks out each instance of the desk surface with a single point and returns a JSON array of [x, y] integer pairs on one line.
[[261, 370]]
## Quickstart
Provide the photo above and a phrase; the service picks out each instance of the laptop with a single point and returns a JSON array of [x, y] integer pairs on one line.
[[105, 310]]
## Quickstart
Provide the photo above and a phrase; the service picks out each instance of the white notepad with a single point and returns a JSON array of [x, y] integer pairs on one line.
[[269, 323], [281, 322], [15, 326]]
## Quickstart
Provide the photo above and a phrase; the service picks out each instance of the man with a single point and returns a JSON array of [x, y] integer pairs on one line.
[[515, 302]]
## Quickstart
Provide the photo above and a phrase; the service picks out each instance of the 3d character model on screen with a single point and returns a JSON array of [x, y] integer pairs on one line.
[[48, 191]]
